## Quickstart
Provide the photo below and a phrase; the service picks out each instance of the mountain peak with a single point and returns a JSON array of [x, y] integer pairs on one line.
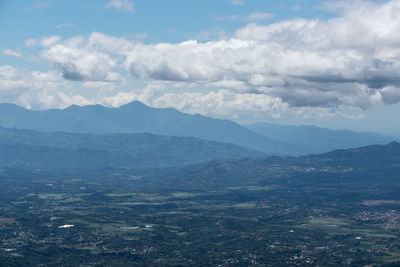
[[135, 103], [394, 144]]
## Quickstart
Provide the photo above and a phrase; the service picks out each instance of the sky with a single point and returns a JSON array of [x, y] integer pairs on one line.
[[334, 64]]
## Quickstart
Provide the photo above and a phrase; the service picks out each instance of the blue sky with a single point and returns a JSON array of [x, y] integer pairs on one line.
[[328, 63], [161, 21]]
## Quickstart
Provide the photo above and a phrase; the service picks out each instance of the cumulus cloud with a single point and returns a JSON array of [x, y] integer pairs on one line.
[[35, 89], [13, 53], [390, 95], [90, 59], [45, 41], [12, 78], [42, 90], [31, 42], [352, 60], [223, 103], [123, 5], [50, 41], [348, 60]]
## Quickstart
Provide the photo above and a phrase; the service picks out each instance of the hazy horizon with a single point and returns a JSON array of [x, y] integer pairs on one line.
[[275, 122]]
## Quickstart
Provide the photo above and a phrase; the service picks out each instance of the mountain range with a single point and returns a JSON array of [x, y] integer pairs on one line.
[[137, 117], [27, 149]]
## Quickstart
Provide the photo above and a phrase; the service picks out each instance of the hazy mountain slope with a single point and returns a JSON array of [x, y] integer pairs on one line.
[[318, 140], [377, 165], [31, 149], [139, 118], [364, 157]]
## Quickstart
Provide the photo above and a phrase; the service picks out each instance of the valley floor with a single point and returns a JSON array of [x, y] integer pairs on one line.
[[78, 222]]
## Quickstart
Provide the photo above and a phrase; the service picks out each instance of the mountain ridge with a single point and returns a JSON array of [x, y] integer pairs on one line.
[[136, 117], [33, 149], [330, 168], [319, 140]]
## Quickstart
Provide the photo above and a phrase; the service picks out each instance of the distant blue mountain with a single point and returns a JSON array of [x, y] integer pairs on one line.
[[136, 117], [27, 149], [318, 140]]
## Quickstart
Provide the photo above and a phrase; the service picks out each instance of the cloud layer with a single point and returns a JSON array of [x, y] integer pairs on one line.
[[352, 61]]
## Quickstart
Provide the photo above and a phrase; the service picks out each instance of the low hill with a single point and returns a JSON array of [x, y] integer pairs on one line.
[[352, 169]]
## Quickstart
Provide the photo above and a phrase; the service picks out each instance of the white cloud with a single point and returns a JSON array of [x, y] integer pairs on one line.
[[100, 85], [304, 62], [45, 41], [91, 59], [222, 103], [35, 89], [350, 61], [139, 36], [259, 16], [123, 5], [13, 53], [255, 16], [12, 78], [31, 42], [213, 34], [62, 26], [49, 41]]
